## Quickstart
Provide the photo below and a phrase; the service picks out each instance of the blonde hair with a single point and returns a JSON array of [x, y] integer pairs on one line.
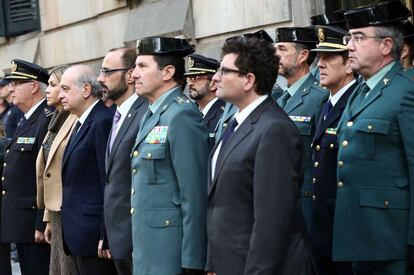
[[58, 71]]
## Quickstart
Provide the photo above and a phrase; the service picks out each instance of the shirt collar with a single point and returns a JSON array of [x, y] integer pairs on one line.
[[208, 106], [123, 109], [241, 116], [378, 76], [86, 113], [295, 86], [33, 109], [157, 103], [335, 98]]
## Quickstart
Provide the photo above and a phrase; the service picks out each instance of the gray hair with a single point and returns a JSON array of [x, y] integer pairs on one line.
[[88, 76], [42, 86], [396, 37]]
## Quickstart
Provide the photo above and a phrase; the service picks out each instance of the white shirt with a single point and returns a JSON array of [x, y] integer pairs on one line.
[[123, 109], [208, 106], [335, 98], [240, 117], [85, 114], [33, 109]]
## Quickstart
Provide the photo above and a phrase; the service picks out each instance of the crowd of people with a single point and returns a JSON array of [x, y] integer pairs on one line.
[[123, 172]]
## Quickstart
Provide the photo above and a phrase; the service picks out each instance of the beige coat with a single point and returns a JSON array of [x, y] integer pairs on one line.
[[49, 180]]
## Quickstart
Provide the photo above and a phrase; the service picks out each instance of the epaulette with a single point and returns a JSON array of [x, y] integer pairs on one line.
[[182, 100], [408, 73], [47, 112]]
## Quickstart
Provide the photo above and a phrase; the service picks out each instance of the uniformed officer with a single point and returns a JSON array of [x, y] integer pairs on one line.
[[407, 54], [203, 89], [169, 160], [374, 224], [21, 220], [337, 76], [303, 99]]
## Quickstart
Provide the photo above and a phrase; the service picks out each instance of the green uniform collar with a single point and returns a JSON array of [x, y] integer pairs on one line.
[[293, 89], [158, 102], [378, 76]]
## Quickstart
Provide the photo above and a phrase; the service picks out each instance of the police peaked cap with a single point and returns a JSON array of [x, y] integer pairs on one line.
[[23, 70], [201, 65]]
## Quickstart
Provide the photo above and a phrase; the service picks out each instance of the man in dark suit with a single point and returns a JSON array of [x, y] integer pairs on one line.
[[22, 223], [335, 75], [83, 169], [203, 90], [303, 98], [118, 84], [254, 221], [374, 221]]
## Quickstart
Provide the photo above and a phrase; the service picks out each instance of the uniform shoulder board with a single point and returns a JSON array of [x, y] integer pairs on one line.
[[182, 100], [47, 112]]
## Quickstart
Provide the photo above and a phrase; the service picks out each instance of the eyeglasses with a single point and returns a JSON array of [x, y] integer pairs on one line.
[[358, 38], [14, 83], [107, 72], [223, 70]]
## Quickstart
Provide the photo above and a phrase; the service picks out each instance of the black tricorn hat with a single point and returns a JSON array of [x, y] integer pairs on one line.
[[408, 31], [164, 46], [201, 65], [335, 18], [330, 39], [23, 70], [303, 35], [261, 35], [381, 14]]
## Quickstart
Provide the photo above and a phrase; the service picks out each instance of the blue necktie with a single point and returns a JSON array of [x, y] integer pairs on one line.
[[326, 109], [229, 132]]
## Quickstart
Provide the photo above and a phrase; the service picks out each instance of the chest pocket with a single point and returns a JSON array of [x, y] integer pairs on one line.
[[368, 134], [305, 128], [21, 147], [151, 154]]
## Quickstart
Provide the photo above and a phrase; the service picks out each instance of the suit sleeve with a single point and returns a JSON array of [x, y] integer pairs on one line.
[[276, 180], [188, 141], [406, 126]]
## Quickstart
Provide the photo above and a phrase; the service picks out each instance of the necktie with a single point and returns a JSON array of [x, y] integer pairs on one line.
[[326, 109], [229, 132], [360, 97], [74, 132], [147, 115], [284, 99], [21, 121], [115, 126]]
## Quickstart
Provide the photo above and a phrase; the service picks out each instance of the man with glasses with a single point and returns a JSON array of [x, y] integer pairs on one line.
[[374, 222], [335, 75], [119, 86], [254, 223], [203, 90], [169, 160], [83, 169], [303, 98], [22, 223]]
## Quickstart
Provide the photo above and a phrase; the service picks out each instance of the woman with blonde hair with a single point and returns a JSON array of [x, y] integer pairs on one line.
[[48, 171]]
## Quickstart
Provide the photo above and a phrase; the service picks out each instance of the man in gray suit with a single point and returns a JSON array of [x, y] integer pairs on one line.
[[254, 221], [116, 80]]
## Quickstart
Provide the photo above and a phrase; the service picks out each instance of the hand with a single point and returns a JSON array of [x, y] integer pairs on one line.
[[48, 234], [103, 253], [39, 236]]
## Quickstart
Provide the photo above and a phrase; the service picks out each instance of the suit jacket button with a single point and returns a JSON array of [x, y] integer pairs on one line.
[[340, 163], [318, 147], [134, 171], [314, 198], [2, 178], [316, 164], [135, 154], [349, 123], [132, 211], [314, 180], [345, 143], [4, 164], [48, 175], [331, 146], [340, 184], [22, 149], [4, 192], [224, 125]]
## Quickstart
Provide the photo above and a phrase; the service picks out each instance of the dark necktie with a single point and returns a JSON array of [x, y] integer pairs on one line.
[[284, 99], [229, 132], [360, 97], [326, 109], [75, 131], [22, 121]]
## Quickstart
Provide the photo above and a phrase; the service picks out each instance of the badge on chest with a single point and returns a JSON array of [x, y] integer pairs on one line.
[[158, 135], [25, 140]]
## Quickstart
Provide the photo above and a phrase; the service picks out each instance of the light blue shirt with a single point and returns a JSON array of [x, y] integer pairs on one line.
[[158, 102], [378, 76], [293, 89]]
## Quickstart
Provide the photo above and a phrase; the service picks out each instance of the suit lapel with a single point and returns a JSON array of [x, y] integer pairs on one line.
[[244, 130], [212, 113], [126, 124]]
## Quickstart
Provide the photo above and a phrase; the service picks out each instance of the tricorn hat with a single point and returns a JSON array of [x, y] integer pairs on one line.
[[303, 35], [164, 46]]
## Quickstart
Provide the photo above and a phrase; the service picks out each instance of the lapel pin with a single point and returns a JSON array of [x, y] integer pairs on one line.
[[129, 115]]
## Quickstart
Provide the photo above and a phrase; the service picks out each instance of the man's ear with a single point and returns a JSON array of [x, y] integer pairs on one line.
[[168, 72], [250, 81], [35, 87], [86, 90], [128, 77]]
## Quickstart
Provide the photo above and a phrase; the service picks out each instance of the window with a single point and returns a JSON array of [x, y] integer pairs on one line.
[[19, 16]]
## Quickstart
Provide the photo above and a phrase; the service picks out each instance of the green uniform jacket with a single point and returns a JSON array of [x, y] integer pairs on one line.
[[169, 189], [374, 218], [303, 108]]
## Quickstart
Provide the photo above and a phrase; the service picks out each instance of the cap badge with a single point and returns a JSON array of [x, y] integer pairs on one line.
[[190, 62], [321, 35], [13, 67]]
